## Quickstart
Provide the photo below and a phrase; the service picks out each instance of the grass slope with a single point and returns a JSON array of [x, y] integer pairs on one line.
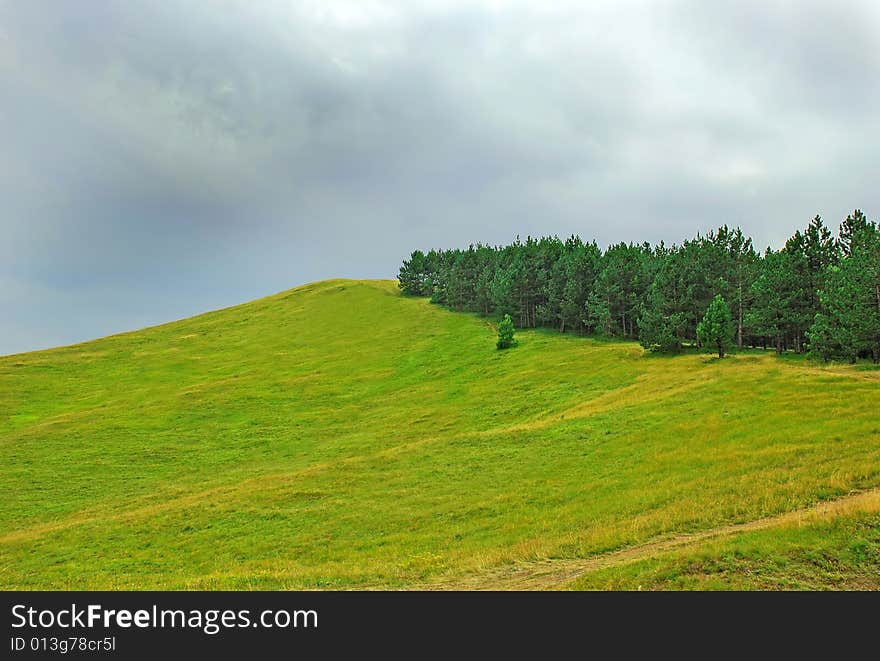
[[339, 435], [840, 551]]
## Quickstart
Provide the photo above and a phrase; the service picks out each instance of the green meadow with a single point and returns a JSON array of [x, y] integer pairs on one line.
[[342, 436]]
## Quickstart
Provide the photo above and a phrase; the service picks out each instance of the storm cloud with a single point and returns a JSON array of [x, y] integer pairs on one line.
[[161, 159]]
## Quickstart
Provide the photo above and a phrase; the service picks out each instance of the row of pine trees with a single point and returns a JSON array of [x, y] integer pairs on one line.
[[819, 293]]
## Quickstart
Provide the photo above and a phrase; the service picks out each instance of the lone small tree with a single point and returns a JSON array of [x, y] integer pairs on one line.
[[505, 333], [716, 329]]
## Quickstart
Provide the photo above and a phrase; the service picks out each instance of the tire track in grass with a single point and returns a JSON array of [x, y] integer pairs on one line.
[[554, 574]]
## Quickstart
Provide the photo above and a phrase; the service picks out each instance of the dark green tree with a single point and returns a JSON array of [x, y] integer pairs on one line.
[[773, 294], [665, 319], [661, 329], [505, 333], [552, 278], [483, 287], [463, 276], [716, 328], [849, 324], [621, 286], [411, 278], [581, 268], [850, 228], [440, 276], [733, 268], [809, 255]]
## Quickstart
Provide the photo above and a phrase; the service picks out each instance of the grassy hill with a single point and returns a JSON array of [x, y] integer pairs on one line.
[[339, 435]]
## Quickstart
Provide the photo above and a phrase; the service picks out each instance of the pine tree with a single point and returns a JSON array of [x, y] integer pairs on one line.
[[624, 278], [849, 324], [855, 224], [582, 265], [505, 333], [663, 322], [660, 328], [832, 332], [411, 278], [734, 261], [483, 287], [772, 294], [553, 277], [716, 329]]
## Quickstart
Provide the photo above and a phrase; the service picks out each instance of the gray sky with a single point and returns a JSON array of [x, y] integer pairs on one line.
[[161, 159]]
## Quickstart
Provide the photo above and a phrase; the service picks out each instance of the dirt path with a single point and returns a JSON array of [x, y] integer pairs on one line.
[[550, 574]]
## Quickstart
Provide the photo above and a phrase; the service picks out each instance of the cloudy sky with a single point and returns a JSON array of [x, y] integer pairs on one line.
[[160, 159]]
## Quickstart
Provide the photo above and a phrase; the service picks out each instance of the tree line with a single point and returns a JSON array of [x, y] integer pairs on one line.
[[818, 293]]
